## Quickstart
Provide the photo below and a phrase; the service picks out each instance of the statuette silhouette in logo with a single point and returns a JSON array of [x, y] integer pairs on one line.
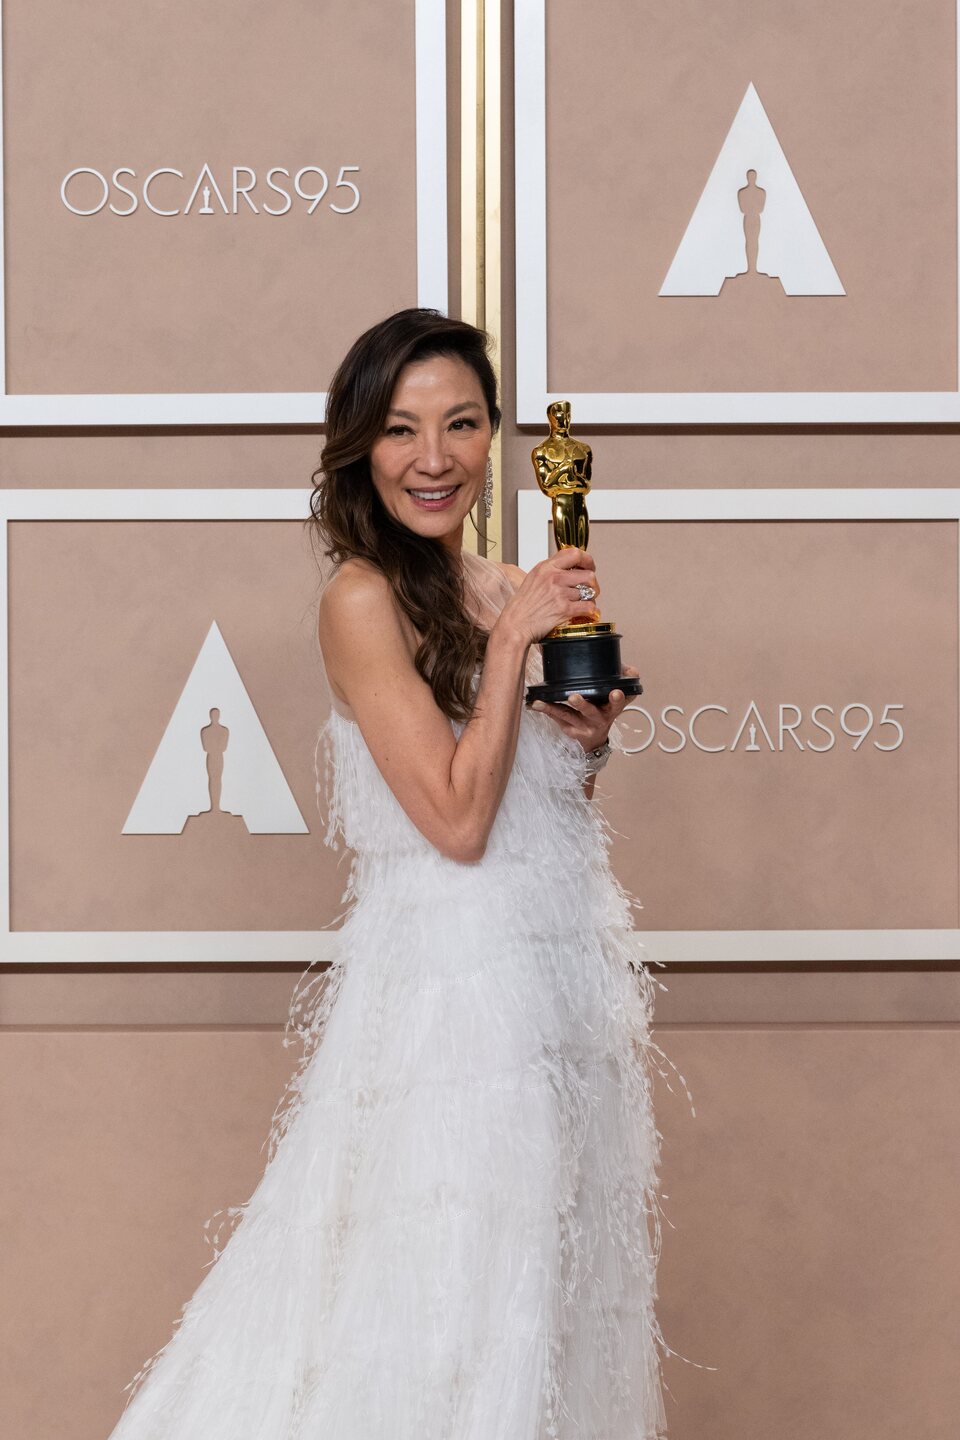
[[751, 200], [214, 764], [751, 220], [215, 738]]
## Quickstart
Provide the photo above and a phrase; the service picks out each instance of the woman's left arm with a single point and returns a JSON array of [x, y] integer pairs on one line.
[[586, 722]]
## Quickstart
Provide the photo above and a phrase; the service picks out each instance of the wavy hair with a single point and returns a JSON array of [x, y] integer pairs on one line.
[[350, 520]]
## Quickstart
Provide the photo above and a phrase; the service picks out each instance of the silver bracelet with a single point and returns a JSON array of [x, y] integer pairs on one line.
[[596, 759]]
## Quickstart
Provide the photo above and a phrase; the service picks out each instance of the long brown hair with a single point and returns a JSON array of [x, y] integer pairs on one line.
[[350, 519]]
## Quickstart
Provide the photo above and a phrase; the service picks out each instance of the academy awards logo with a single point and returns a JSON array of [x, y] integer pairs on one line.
[[751, 223], [86, 191], [770, 729], [214, 761]]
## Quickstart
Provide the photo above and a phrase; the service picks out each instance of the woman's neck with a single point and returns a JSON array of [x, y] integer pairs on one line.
[[454, 542]]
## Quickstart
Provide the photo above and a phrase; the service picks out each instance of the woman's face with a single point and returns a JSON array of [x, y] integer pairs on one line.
[[429, 465]]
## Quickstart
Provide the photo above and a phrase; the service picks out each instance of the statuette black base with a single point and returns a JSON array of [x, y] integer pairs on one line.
[[587, 665]]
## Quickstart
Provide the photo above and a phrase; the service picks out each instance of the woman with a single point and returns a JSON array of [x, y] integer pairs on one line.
[[457, 1231]]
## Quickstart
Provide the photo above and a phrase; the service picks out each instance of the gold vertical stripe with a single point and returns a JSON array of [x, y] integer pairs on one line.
[[470, 182], [491, 240], [480, 282], [469, 160], [480, 212]]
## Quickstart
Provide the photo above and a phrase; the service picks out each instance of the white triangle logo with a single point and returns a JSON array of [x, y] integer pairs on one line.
[[714, 246], [178, 785]]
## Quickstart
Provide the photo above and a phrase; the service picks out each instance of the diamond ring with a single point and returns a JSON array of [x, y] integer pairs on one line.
[[586, 592]]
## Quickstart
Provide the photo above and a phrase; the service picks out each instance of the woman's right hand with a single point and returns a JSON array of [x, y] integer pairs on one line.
[[548, 595]]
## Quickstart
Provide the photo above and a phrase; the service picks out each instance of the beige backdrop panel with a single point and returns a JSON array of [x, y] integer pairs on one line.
[[203, 302], [799, 613], [862, 97], [106, 621], [815, 1257], [811, 1255]]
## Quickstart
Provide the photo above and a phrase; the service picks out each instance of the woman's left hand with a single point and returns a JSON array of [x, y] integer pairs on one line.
[[584, 721]]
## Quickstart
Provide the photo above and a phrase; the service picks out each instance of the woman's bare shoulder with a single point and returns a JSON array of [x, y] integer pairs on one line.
[[358, 602], [356, 589]]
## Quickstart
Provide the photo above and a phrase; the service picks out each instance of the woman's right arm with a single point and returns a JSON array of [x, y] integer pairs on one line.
[[450, 789]]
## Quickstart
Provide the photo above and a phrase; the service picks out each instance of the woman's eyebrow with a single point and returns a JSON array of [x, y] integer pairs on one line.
[[454, 410]]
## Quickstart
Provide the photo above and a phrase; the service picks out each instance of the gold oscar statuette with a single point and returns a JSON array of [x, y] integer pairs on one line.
[[581, 656]]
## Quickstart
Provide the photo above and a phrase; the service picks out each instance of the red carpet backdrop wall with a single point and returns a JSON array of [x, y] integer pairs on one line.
[[728, 234]]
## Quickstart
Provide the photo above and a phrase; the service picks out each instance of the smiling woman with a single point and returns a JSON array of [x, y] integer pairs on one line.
[[411, 413], [456, 1235], [432, 453]]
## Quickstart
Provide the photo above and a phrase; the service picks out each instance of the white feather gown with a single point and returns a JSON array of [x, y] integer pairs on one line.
[[457, 1231]]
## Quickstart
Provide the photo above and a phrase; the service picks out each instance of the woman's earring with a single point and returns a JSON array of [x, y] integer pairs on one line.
[[488, 489]]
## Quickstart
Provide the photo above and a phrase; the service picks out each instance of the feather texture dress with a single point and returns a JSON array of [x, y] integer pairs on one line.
[[457, 1231]]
